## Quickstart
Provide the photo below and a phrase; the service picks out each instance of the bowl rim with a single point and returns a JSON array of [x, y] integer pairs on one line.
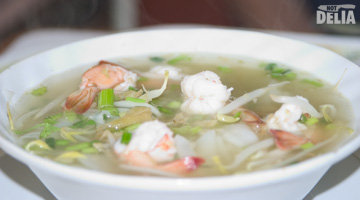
[[248, 180]]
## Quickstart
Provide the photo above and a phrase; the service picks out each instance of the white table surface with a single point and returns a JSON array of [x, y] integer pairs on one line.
[[17, 181]]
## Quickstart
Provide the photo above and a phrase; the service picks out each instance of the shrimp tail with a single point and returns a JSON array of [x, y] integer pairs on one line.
[[138, 158], [182, 166], [286, 141], [102, 62], [81, 100], [250, 117]]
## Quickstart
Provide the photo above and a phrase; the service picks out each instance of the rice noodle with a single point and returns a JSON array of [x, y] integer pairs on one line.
[[303, 153], [130, 104], [267, 158], [150, 95], [244, 154], [28, 136], [20, 120], [49, 106], [300, 101], [246, 98], [144, 170]]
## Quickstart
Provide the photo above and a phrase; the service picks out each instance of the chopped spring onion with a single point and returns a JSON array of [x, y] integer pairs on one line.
[[51, 142], [157, 59], [89, 150], [106, 117], [219, 165], [303, 118], [48, 130], [70, 116], [165, 110], [307, 145], [113, 111], [174, 105], [270, 66], [311, 121], [53, 119], [279, 73], [83, 123], [126, 137], [39, 91], [37, 143], [187, 130], [79, 146], [133, 89], [227, 118], [61, 142], [237, 115], [308, 120], [178, 59], [69, 157], [288, 76], [106, 99], [136, 100], [312, 82], [224, 69]]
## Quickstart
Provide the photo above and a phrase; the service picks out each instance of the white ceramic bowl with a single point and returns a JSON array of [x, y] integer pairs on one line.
[[292, 182]]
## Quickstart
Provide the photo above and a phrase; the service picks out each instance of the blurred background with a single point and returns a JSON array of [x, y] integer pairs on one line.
[[20, 16]]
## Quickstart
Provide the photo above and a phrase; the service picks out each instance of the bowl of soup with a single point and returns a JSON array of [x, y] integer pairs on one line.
[[183, 113]]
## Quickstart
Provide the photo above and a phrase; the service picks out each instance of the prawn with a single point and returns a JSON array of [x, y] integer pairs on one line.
[[286, 141], [153, 147], [102, 76]]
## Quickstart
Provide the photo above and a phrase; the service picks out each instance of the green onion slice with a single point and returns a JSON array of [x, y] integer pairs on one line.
[[126, 137], [39, 91], [313, 82], [136, 100], [106, 98], [178, 59], [157, 59]]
